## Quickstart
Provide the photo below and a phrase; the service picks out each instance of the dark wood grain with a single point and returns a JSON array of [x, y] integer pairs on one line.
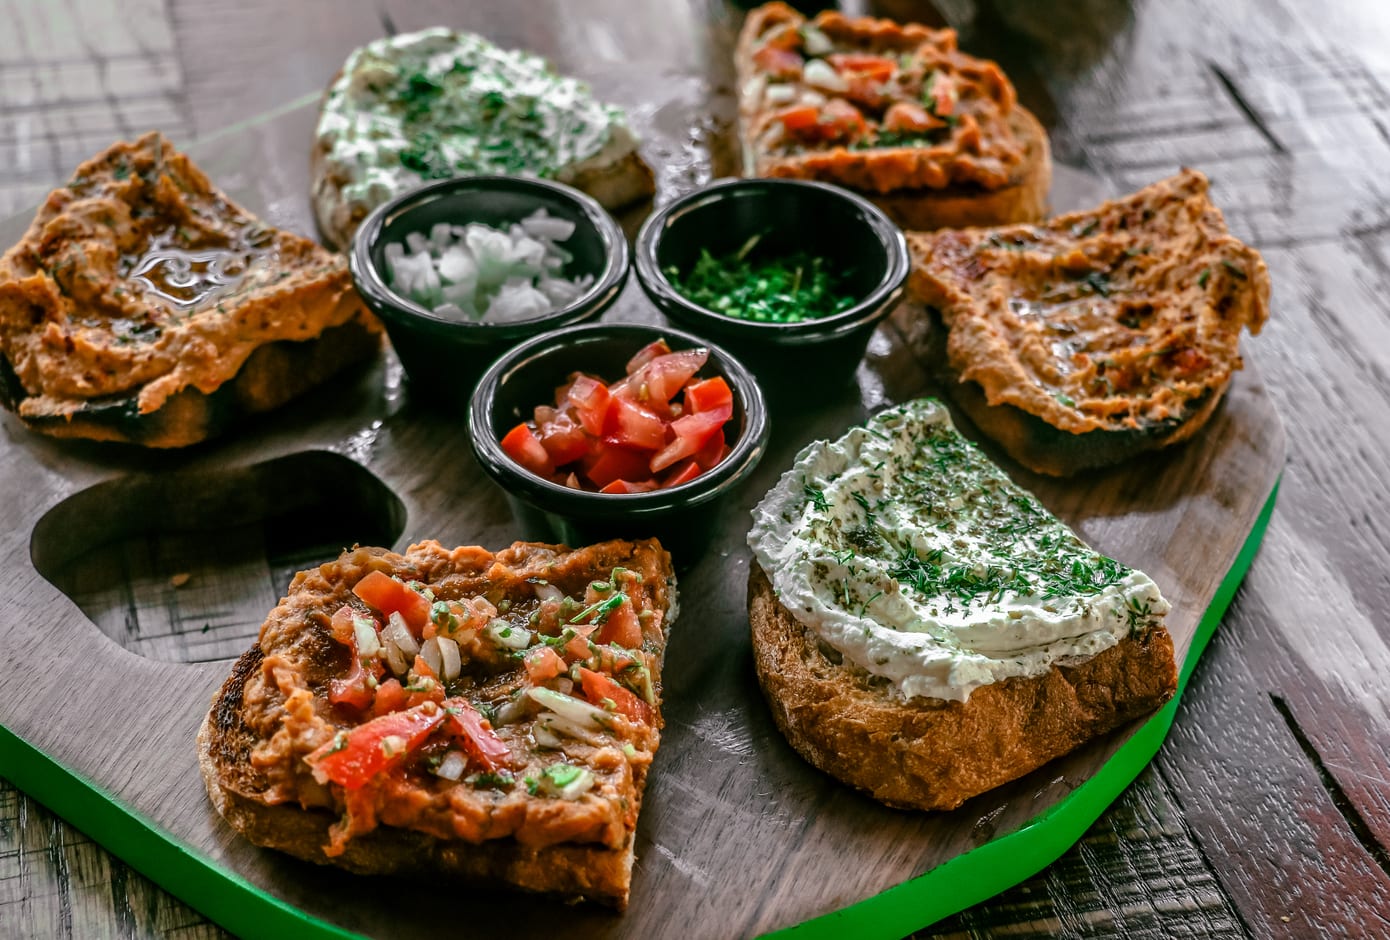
[[1273, 785]]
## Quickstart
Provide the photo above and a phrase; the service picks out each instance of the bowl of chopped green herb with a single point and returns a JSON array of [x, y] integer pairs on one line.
[[790, 276]]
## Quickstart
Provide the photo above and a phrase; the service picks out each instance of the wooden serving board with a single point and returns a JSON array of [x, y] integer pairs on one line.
[[136, 577]]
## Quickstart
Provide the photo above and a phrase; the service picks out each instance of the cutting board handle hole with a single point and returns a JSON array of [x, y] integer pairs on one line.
[[184, 566]]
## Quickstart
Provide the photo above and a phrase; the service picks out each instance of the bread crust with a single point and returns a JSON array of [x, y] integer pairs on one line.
[[930, 754], [904, 181]]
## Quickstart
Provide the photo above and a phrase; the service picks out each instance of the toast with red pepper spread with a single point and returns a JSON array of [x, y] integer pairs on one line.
[[894, 111], [486, 716], [1096, 335]]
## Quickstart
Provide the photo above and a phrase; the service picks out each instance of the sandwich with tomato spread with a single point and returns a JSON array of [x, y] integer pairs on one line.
[[490, 717]]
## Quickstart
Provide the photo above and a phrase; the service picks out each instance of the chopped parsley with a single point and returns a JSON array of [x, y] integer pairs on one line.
[[783, 288]]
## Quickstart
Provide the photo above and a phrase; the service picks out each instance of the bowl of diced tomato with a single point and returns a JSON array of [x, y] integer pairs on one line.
[[618, 430]]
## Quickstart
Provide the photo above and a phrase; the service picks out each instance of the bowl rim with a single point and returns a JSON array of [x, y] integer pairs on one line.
[[388, 304], [743, 457], [869, 309]]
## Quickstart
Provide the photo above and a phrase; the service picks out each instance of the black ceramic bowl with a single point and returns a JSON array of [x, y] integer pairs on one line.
[[682, 517], [852, 234], [444, 356]]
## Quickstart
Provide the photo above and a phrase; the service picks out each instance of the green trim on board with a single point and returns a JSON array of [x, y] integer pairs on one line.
[[965, 880]]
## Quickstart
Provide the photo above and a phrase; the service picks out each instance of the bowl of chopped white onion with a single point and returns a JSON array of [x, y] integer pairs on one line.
[[462, 270]]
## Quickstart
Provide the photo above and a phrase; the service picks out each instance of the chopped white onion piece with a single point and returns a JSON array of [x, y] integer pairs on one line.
[[509, 635], [368, 643], [394, 658], [819, 74], [814, 41], [452, 766], [570, 729], [569, 707], [573, 790], [449, 657], [544, 737], [545, 591], [514, 710], [780, 94], [398, 633], [429, 652]]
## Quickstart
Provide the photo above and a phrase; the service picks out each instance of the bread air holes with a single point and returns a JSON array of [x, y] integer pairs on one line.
[[184, 566]]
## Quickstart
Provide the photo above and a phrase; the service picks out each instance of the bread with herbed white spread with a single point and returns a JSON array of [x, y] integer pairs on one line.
[[437, 104], [925, 630]]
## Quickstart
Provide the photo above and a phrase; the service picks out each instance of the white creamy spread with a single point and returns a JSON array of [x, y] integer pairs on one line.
[[438, 104], [904, 548]]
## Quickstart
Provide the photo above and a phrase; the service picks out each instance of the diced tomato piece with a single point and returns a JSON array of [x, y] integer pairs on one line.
[[841, 120], [578, 646], [908, 117], [875, 67], [692, 433], [355, 689], [589, 397], [341, 625], [628, 424], [683, 472], [542, 664], [618, 463], [598, 688], [521, 445], [779, 63], [941, 94], [354, 757], [391, 696], [799, 119], [629, 486], [661, 379], [622, 626], [708, 395], [382, 592], [564, 441], [475, 732], [709, 456], [647, 353]]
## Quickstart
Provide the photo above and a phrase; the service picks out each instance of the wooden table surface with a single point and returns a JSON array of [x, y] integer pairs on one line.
[[1267, 813]]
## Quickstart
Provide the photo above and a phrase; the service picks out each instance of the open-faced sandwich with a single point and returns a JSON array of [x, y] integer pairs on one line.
[[489, 717], [925, 630], [897, 112], [1096, 335], [436, 104], [143, 305]]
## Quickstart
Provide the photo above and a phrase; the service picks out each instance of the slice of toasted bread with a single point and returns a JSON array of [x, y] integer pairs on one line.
[[931, 754], [987, 162], [273, 719], [613, 172], [1097, 335], [144, 306]]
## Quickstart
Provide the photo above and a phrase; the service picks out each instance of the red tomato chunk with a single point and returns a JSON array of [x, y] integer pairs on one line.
[[659, 426]]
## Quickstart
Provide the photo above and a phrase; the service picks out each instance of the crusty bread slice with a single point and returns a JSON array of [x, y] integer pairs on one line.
[[886, 175], [1096, 335], [616, 177], [144, 306], [224, 755], [253, 743], [930, 754]]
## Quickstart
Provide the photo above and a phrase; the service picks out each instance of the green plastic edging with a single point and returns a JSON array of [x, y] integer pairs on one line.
[[967, 879]]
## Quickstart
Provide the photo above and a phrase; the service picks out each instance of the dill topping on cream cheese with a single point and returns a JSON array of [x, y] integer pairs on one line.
[[438, 104], [904, 548]]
